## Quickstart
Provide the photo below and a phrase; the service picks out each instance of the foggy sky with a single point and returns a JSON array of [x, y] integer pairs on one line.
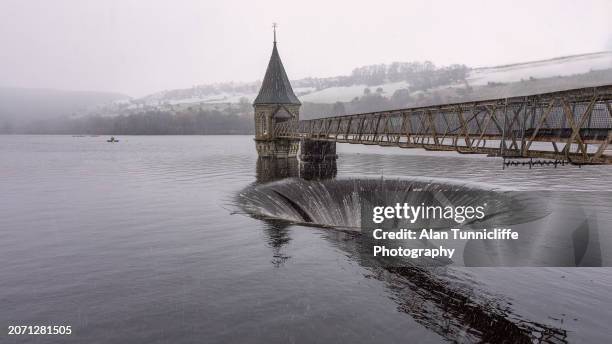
[[140, 47]]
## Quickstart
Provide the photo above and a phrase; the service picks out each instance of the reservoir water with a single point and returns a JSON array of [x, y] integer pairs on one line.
[[141, 241]]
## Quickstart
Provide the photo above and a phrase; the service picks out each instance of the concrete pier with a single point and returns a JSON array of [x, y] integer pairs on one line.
[[317, 151], [318, 170]]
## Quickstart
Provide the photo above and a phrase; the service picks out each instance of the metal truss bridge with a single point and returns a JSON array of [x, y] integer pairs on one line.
[[572, 125]]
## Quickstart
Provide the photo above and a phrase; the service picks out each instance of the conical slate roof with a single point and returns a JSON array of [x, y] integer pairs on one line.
[[276, 88]]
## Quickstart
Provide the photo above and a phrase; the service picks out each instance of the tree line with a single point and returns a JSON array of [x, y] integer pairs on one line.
[[153, 122]]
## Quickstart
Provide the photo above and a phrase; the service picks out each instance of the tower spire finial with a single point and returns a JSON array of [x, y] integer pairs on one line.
[[274, 25]]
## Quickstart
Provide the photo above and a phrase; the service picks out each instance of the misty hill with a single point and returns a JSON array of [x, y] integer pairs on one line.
[[416, 75], [398, 76], [19, 105]]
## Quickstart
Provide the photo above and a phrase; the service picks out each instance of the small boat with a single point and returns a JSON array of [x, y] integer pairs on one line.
[[112, 139]]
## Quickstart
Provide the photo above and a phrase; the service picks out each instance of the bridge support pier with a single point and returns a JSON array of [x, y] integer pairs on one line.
[[318, 170], [317, 151]]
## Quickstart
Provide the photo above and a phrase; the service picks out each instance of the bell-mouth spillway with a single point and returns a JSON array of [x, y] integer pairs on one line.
[[340, 203]]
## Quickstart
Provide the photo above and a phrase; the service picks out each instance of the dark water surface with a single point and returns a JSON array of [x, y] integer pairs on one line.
[[138, 242]]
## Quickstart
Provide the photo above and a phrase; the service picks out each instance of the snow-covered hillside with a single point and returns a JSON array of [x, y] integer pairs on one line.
[[347, 93], [563, 66]]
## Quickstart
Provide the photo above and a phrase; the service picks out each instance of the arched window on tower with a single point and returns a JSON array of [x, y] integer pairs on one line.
[[282, 115]]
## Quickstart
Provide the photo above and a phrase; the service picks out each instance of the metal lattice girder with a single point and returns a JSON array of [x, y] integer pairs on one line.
[[572, 125]]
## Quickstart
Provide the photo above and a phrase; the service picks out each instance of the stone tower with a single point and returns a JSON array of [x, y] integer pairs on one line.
[[275, 103]]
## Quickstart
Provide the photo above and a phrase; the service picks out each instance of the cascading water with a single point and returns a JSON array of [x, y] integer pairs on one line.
[[340, 202]]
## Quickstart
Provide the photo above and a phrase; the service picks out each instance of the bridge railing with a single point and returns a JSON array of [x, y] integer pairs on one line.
[[573, 125]]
